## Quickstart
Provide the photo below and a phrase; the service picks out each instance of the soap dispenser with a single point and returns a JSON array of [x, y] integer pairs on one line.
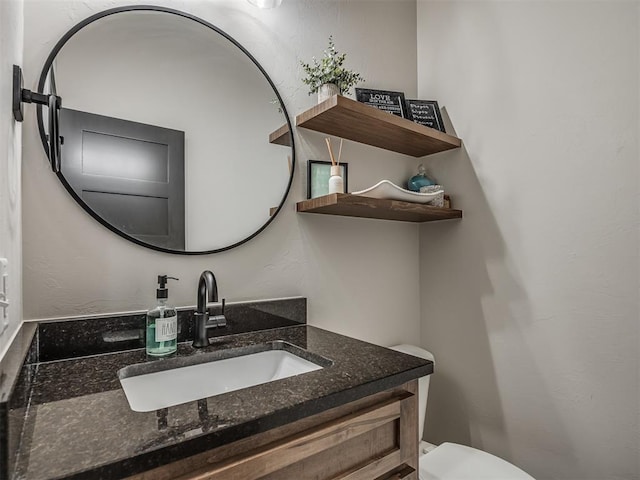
[[162, 323]]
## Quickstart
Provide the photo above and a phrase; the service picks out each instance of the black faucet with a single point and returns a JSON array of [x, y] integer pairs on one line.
[[207, 292]]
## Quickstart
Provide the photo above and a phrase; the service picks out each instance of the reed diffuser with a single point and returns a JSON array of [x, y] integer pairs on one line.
[[336, 183]]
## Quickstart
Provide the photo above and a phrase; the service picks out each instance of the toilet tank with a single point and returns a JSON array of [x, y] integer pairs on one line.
[[423, 383]]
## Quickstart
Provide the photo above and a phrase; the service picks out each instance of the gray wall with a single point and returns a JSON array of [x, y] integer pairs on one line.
[[530, 304], [361, 276], [11, 25]]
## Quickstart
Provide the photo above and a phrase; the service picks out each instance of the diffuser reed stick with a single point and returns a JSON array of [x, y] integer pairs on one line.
[[336, 183], [328, 142]]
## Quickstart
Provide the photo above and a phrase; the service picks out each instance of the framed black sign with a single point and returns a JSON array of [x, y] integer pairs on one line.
[[425, 112], [391, 102]]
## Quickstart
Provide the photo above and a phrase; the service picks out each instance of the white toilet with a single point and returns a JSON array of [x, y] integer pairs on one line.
[[451, 461]]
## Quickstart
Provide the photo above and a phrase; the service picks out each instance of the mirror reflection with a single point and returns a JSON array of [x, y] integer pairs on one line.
[[165, 126]]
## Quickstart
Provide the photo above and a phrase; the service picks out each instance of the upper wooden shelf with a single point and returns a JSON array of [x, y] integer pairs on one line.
[[342, 117], [348, 205]]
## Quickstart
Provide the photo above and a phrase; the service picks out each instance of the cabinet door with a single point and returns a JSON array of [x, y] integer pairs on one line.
[[371, 443], [374, 438]]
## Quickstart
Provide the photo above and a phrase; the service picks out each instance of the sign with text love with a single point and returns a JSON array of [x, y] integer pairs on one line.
[[391, 102]]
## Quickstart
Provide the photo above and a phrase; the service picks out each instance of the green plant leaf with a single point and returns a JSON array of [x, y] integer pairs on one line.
[[330, 69]]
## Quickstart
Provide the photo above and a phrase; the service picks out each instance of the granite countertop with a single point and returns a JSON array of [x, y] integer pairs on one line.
[[79, 424]]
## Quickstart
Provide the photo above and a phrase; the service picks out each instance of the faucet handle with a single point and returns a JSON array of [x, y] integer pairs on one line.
[[219, 321]]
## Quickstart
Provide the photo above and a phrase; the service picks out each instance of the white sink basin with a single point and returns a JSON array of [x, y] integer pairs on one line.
[[167, 388]]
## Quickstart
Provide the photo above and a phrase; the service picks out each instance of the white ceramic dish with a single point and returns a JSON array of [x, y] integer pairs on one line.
[[390, 191]]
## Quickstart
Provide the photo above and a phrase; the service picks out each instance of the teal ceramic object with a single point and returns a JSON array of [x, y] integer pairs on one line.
[[420, 180]]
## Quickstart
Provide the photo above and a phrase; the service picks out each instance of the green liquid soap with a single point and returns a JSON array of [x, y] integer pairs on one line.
[[162, 330]]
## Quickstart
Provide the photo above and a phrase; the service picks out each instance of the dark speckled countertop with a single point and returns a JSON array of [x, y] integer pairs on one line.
[[79, 424]]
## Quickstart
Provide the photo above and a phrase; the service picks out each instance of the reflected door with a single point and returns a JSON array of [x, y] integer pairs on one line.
[[131, 174]]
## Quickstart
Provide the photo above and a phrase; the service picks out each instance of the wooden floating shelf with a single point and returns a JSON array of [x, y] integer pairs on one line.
[[348, 205], [281, 136], [346, 118]]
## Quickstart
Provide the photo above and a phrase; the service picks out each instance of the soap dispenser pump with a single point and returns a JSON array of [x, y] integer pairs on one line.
[[162, 323]]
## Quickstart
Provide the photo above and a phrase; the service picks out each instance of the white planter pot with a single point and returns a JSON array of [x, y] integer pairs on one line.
[[327, 91]]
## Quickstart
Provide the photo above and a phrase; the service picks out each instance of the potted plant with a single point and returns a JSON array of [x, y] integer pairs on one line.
[[328, 76]]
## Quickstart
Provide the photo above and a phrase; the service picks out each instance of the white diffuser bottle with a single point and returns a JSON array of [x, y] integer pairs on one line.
[[336, 184]]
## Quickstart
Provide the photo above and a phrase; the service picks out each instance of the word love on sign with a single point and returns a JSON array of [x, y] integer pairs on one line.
[[391, 102]]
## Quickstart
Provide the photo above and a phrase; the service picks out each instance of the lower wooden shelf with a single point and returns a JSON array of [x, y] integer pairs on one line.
[[281, 136], [348, 205]]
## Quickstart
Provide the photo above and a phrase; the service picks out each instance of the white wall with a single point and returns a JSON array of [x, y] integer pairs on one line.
[[11, 33], [530, 303], [361, 276]]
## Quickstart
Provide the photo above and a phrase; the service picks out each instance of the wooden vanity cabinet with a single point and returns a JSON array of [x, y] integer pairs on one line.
[[373, 438]]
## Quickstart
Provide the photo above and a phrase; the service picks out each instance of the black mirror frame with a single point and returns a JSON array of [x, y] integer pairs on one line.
[[153, 8]]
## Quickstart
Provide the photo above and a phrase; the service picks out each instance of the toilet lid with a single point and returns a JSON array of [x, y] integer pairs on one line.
[[451, 461]]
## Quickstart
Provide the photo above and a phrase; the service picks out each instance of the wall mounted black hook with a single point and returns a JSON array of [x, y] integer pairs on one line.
[[22, 95]]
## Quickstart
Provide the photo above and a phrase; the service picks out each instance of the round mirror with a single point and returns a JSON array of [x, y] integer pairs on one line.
[[173, 136]]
